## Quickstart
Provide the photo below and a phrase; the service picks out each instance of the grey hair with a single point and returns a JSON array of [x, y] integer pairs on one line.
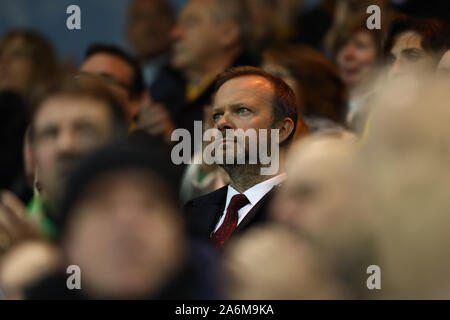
[[237, 11]]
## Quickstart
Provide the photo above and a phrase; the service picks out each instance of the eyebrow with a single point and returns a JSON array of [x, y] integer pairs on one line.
[[234, 105], [413, 50]]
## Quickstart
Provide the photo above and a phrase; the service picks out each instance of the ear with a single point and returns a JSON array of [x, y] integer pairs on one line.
[[286, 127], [230, 34]]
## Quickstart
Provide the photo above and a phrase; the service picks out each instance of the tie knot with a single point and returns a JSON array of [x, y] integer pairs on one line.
[[237, 202]]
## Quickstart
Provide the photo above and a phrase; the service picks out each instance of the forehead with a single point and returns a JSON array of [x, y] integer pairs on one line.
[[407, 40], [250, 90], [107, 63], [13, 43], [62, 109], [198, 7]]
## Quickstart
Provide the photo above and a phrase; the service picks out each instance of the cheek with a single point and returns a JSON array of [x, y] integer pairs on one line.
[[44, 158], [20, 72], [367, 57]]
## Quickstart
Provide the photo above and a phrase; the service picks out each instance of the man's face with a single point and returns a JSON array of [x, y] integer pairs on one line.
[[124, 236], [243, 103], [116, 73], [407, 56], [65, 129], [149, 27], [196, 35]]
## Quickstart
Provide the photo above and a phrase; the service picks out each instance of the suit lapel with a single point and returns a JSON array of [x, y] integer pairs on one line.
[[258, 212]]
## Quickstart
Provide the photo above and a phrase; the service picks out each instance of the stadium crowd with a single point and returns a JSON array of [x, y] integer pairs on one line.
[[87, 176]]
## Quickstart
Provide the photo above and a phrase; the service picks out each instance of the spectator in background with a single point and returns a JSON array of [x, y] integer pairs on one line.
[[406, 157], [209, 37], [27, 61], [121, 73], [358, 57], [320, 93], [121, 225], [148, 31], [70, 119], [414, 46]]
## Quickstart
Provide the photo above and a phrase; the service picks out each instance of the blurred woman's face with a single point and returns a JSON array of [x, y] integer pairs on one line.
[[16, 66], [357, 58]]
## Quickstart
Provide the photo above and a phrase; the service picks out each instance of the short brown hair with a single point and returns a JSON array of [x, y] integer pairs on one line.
[[86, 87], [284, 103]]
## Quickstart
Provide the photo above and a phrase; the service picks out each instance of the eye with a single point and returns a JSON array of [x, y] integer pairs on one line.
[[413, 55], [217, 116], [87, 129], [48, 133], [243, 111]]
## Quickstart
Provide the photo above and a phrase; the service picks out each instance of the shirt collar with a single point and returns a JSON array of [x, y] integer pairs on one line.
[[255, 193]]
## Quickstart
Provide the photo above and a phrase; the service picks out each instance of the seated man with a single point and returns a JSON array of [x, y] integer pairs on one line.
[[250, 99], [69, 120], [121, 73]]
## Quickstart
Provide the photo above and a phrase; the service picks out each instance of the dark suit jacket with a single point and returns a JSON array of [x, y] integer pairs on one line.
[[203, 213]]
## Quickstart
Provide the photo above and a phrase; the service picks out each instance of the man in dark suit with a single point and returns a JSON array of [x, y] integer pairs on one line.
[[246, 98]]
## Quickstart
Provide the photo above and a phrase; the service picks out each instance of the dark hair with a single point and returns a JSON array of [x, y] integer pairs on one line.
[[82, 87], [137, 81], [323, 93], [434, 33], [122, 156], [284, 103]]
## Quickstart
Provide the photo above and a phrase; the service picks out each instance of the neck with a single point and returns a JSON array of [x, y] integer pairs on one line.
[[243, 177], [214, 65]]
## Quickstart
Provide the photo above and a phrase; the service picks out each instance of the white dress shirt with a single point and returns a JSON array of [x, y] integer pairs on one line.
[[254, 194]]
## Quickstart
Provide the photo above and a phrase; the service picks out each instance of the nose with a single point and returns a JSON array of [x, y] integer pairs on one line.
[[396, 69], [66, 142], [349, 52], [224, 123]]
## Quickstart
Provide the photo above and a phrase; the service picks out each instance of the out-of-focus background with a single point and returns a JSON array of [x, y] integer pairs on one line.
[[102, 20]]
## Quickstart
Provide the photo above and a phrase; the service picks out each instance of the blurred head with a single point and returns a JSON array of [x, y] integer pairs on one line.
[[250, 98], [26, 60], [208, 32], [322, 179], [273, 263], [70, 119], [444, 64], [120, 72], [358, 52], [121, 224], [414, 46], [149, 26], [406, 155], [306, 70], [357, 58], [262, 14]]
